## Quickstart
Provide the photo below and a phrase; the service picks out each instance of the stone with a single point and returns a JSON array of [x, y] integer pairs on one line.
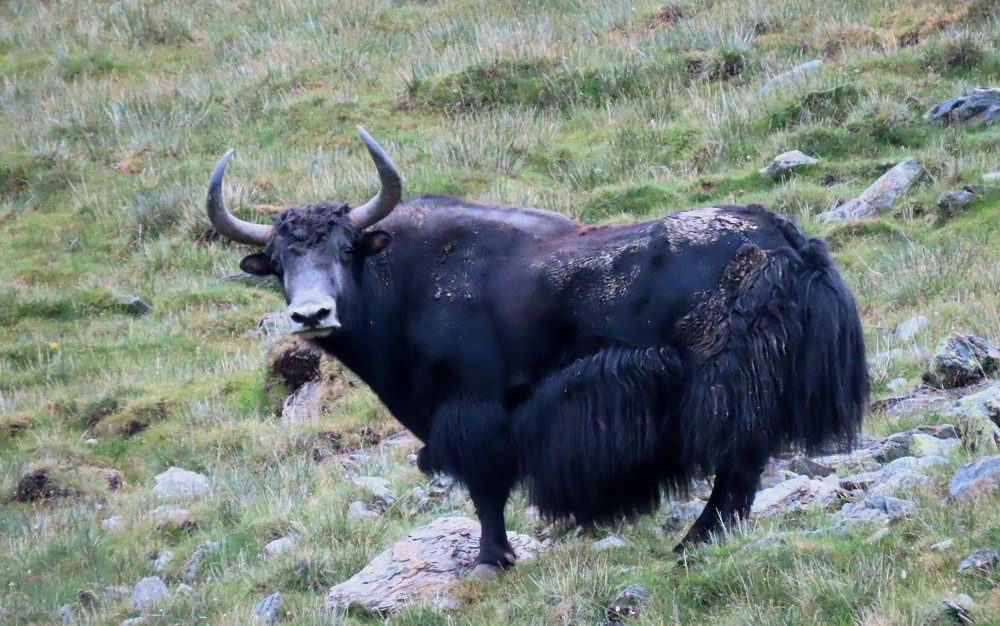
[[423, 565], [66, 613], [958, 608], [627, 604], [148, 592], [797, 494], [793, 75], [982, 560], [360, 510], [915, 463], [877, 536], [770, 540], [907, 330], [876, 509], [785, 163], [278, 546], [273, 325], [184, 589], [980, 106], [180, 483], [977, 418], [266, 611], [961, 360], [193, 563], [928, 445], [306, 404], [170, 514], [609, 542], [683, 514], [859, 481], [923, 399], [134, 305], [956, 200], [113, 524], [896, 384], [379, 489], [163, 560], [975, 478], [801, 464], [890, 483], [991, 177], [133, 621], [943, 546], [879, 197]]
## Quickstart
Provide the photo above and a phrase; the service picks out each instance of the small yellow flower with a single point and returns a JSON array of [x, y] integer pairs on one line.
[[54, 345]]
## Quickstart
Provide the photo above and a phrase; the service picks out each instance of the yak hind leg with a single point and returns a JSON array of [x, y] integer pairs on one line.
[[733, 493], [495, 552]]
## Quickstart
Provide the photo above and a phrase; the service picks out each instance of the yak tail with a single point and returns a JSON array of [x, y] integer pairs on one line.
[[828, 386]]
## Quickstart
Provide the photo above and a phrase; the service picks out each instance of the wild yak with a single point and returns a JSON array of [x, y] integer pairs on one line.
[[598, 366]]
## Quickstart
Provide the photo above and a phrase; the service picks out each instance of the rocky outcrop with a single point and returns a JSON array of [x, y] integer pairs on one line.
[[877, 198]]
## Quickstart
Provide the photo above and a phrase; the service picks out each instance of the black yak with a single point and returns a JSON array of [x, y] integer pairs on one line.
[[599, 366]]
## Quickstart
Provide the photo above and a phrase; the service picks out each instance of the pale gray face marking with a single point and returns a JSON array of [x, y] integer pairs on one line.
[[311, 290]]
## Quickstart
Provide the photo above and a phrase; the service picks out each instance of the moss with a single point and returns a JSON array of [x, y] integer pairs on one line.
[[828, 105]]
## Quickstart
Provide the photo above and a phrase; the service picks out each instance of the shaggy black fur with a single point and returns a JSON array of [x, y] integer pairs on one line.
[[598, 366]]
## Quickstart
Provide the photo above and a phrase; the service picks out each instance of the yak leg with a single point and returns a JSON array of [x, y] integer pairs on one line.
[[732, 496], [495, 553]]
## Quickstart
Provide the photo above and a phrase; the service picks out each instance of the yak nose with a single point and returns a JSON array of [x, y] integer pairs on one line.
[[313, 315]]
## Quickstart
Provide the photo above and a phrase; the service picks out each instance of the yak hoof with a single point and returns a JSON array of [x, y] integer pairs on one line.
[[485, 571]]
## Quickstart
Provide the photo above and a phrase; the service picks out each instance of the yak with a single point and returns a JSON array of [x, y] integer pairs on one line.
[[599, 367]]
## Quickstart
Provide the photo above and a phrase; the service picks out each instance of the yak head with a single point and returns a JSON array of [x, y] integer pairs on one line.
[[316, 251]]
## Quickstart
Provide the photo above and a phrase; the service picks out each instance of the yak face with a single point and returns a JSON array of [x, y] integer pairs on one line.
[[317, 251], [318, 254]]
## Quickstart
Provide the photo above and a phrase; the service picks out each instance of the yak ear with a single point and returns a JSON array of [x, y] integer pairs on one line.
[[257, 264], [373, 242]]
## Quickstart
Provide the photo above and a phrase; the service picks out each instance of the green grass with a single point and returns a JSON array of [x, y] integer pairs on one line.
[[113, 114]]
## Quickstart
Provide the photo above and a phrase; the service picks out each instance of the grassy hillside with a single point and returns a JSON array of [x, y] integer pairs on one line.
[[114, 112]]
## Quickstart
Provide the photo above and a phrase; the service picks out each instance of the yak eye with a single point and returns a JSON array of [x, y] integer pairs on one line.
[[346, 253]]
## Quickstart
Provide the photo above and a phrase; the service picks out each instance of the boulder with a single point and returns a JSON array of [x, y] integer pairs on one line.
[[791, 76], [266, 611], [627, 604], [889, 483], [163, 560], [113, 524], [907, 330], [876, 509], [378, 488], [961, 360], [877, 198], [180, 483], [306, 404], [609, 542], [148, 592], [680, 515], [975, 478], [979, 106], [193, 563], [922, 445], [422, 566], [278, 546], [785, 163], [797, 494], [982, 560], [952, 202], [977, 418], [134, 305]]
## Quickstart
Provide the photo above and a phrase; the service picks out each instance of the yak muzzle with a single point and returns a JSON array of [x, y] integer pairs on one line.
[[313, 319]]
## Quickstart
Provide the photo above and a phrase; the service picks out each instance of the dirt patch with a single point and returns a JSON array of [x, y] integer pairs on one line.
[[295, 363], [38, 485], [132, 427]]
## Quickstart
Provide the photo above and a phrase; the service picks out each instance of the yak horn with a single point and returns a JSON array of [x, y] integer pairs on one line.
[[388, 196], [223, 220]]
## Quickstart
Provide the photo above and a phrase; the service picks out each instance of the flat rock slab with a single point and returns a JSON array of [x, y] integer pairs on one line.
[[797, 494], [877, 198], [980, 106], [785, 163], [975, 478], [422, 566], [180, 483]]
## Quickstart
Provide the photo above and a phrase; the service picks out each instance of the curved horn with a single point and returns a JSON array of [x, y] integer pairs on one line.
[[388, 196], [223, 220]]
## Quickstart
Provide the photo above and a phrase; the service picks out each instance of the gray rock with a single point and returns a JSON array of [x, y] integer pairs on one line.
[[877, 198], [907, 330], [133, 621], [193, 563], [859, 481], [876, 509], [770, 540], [991, 177], [791, 76], [975, 478], [961, 360], [982, 560], [273, 325], [922, 445], [66, 613], [958, 608], [627, 604], [609, 542], [180, 483], [682, 514], [379, 489], [306, 404], [943, 546], [135, 305], [278, 546], [801, 464], [956, 200], [266, 611], [797, 494], [980, 106], [184, 589], [977, 418], [148, 592], [421, 566], [915, 463], [890, 483], [785, 163], [163, 560], [113, 524], [896, 384], [170, 514], [360, 510]]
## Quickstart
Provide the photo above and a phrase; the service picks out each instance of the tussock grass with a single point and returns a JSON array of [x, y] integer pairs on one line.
[[113, 114]]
